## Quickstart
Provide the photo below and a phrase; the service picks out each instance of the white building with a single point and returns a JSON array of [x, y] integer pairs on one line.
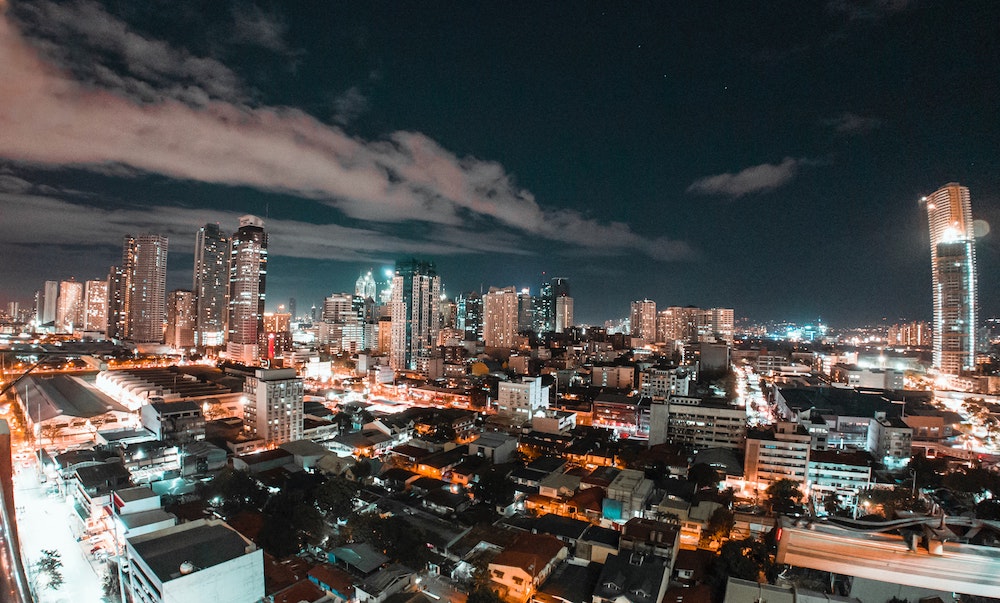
[[202, 560], [500, 317], [524, 398], [273, 409], [778, 453]]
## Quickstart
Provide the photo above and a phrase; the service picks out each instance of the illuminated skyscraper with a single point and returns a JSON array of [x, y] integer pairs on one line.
[[181, 319], [416, 288], [953, 277], [365, 286], [247, 276], [69, 313], [500, 317], [144, 282], [211, 284], [643, 319], [50, 303], [95, 306]]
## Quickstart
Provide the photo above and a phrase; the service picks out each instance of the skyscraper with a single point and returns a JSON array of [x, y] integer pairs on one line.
[[144, 265], [415, 319], [69, 313], [643, 319], [365, 286], [273, 408], [953, 278], [50, 303], [211, 284], [95, 306], [181, 319], [500, 317], [247, 276], [117, 318]]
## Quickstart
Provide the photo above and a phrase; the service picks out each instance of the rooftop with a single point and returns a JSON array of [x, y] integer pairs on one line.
[[203, 543]]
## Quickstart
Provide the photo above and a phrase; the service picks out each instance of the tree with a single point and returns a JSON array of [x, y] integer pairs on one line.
[[50, 566], [747, 559], [887, 503], [235, 490], [50, 431], [111, 583], [482, 594], [493, 487], [335, 497], [720, 524], [784, 496]]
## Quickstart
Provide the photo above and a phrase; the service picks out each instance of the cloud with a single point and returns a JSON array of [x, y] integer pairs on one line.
[[48, 117], [867, 10], [755, 179], [252, 26], [83, 39], [349, 105], [851, 123]]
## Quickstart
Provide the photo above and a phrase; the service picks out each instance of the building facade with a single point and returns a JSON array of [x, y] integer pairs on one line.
[[643, 319], [953, 278], [144, 266], [211, 284], [500, 317], [273, 410], [247, 280], [416, 288]]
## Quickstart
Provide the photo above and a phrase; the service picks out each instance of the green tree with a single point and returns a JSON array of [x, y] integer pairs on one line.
[[888, 503], [235, 491], [50, 566], [482, 594], [784, 496], [747, 559]]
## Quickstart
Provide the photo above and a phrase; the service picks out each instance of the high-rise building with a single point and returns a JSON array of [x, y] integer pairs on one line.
[[273, 409], [50, 303], [365, 286], [526, 306], [211, 284], [144, 263], [469, 311], [181, 318], [69, 312], [117, 317], [416, 288], [643, 319], [953, 278], [500, 317], [562, 305], [715, 324], [292, 308], [95, 306], [247, 277]]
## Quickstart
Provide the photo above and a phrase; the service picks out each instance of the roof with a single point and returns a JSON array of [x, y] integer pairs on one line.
[[304, 448], [493, 439], [104, 475], [635, 577], [63, 396], [605, 536], [334, 577], [649, 530], [203, 543], [265, 456], [303, 590], [360, 555], [179, 406], [558, 525], [383, 579], [145, 518], [530, 552], [135, 493], [570, 582], [857, 458]]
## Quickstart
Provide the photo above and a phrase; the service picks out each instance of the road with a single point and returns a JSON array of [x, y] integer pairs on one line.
[[43, 522]]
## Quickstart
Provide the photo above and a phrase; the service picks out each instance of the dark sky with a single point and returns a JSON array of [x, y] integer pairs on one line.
[[764, 156]]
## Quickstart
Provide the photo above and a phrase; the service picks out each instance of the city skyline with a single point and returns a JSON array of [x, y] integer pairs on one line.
[[668, 153]]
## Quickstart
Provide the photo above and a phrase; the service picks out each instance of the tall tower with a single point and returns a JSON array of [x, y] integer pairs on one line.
[[211, 284], [69, 313], [144, 263], [415, 319], [643, 319], [247, 275], [500, 317], [953, 276], [95, 305]]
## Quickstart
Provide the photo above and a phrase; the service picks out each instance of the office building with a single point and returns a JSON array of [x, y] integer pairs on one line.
[[563, 314], [469, 314], [211, 285], [181, 319], [247, 279], [643, 319], [365, 286], [416, 288], [144, 280], [95, 306], [500, 317], [117, 318], [273, 411], [953, 278], [69, 310], [523, 399]]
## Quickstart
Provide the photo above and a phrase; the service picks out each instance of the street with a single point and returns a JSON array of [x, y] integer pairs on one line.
[[43, 522]]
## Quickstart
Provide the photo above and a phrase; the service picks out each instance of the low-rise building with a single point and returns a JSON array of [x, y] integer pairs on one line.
[[524, 565], [203, 560]]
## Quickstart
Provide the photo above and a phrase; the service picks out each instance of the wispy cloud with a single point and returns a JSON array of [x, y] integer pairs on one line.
[[349, 105], [755, 179], [867, 10], [49, 117], [252, 26], [852, 124]]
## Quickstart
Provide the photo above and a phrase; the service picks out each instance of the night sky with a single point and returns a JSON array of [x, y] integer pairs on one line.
[[764, 156]]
